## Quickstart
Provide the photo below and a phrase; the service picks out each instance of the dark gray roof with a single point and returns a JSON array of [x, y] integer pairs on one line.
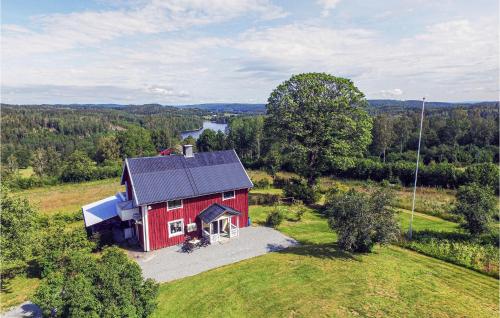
[[163, 178], [214, 211]]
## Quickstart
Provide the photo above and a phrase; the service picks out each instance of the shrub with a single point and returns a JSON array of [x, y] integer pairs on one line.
[[477, 205], [280, 182], [440, 174], [300, 190], [485, 174], [262, 199], [107, 171], [262, 184], [299, 211], [275, 217], [405, 171], [361, 221]]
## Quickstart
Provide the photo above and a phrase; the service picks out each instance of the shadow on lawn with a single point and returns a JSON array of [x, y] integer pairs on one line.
[[323, 251]]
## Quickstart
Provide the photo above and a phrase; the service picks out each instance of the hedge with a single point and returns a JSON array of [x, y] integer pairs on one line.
[[443, 175]]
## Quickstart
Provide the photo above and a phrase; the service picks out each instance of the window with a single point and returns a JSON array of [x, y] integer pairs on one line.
[[191, 227], [174, 204], [175, 228], [228, 195]]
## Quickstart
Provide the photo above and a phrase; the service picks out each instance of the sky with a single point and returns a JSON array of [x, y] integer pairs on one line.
[[222, 51]]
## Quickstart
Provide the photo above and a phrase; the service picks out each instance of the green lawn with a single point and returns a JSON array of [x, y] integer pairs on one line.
[[15, 291], [317, 280]]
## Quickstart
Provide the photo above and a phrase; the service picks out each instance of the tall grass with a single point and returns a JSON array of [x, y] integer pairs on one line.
[[473, 254]]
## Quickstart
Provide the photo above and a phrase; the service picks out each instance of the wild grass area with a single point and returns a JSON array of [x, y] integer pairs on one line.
[[68, 198], [316, 279], [26, 172]]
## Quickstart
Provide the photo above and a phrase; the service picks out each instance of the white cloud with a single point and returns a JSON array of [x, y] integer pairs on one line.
[[327, 6], [167, 91], [168, 52], [56, 32], [391, 93], [446, 58]]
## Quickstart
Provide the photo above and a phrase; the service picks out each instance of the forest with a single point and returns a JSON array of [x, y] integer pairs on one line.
[[77, 143]]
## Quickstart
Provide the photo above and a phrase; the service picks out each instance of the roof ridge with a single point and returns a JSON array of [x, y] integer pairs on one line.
[[190, 177]]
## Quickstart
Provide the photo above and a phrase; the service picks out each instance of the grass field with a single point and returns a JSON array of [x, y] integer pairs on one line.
[[70, 197], [317, 280]]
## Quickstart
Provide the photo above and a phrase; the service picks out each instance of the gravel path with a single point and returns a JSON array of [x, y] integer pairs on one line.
[[169, 263]]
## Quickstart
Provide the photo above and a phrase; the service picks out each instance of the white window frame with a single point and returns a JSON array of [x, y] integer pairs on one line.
[[234, 195], [192, 225], [177, 207], [178, 233]]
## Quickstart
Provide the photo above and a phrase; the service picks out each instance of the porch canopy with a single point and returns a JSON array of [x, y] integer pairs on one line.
[[214, 211]]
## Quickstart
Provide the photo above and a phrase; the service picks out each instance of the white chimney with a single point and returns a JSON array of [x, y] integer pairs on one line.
[[187, 150]]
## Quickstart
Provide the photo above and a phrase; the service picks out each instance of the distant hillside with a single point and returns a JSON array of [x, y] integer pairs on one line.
[[230, 107], [418, 103], [378, 105]]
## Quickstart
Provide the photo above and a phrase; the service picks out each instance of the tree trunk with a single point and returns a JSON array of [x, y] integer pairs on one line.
[[311, 178]]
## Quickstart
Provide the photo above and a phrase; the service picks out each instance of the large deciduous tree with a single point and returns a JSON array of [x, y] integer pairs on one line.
[[319, 120], [79, 167], [207, 141], [107, 148], [135, 142]]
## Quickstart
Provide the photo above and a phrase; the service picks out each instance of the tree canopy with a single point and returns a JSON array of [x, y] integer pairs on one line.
[[88, 286], [318, 120], [18, 224]]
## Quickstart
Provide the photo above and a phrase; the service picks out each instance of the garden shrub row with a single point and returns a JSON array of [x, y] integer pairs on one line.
[[443, 175]]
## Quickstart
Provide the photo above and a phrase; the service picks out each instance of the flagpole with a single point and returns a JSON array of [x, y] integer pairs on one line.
[[416, 169]]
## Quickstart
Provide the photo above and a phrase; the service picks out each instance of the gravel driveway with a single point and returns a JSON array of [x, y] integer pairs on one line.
[[169, 263]]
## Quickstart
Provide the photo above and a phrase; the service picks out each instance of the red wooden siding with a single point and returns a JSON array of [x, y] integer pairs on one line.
[[158, 216]]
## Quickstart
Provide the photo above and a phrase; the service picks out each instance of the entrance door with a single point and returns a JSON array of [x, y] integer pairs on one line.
[[215, 227], [224, 226]]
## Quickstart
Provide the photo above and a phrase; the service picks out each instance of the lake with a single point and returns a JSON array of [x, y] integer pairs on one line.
[[206, 125]]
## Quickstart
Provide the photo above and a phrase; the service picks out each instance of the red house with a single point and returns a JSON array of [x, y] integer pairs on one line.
[[169, 197]]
